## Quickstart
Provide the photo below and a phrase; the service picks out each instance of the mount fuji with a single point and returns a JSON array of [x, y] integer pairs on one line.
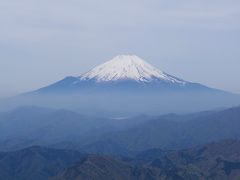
[[124, 72], [127, 85]]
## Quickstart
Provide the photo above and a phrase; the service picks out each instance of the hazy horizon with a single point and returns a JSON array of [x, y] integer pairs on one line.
[[44, 41]]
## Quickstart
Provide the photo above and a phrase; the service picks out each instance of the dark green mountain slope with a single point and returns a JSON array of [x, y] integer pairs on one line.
[[213, 161], [35, 163], [106, 168]]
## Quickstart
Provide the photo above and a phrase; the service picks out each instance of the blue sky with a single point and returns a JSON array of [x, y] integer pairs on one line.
[[44, 41]]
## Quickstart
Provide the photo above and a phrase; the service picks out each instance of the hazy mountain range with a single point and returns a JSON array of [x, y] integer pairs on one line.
[[29, 126]]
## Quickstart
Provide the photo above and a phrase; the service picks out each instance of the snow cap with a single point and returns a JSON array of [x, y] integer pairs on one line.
[[127, 67]]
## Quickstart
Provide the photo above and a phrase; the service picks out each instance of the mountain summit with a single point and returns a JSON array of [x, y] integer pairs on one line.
[[128, 67]]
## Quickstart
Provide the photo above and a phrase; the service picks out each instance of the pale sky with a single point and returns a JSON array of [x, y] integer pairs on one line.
[[42, 41]]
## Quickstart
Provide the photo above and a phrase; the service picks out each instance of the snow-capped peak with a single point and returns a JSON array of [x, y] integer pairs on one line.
[[128, 67]]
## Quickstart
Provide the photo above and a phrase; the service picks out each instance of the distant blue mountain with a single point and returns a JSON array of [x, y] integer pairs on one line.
[[128, 85], [123, 73]]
